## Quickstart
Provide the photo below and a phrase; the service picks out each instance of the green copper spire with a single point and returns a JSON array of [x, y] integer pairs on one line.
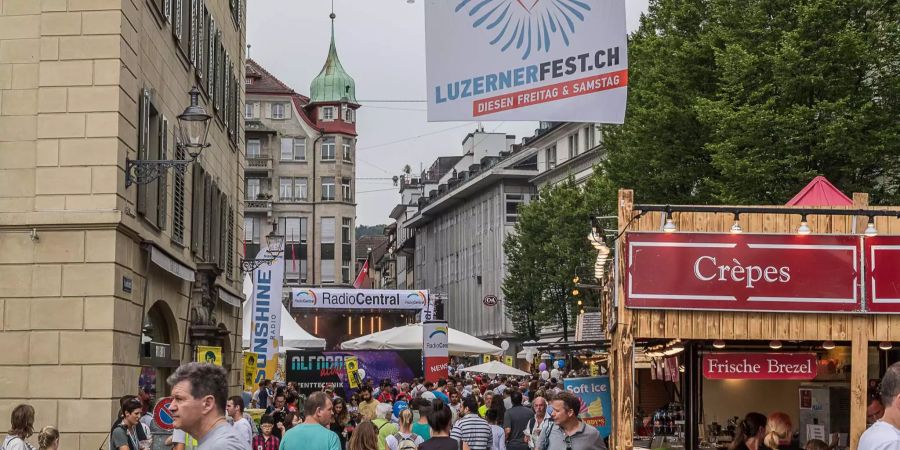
[[332, 84]]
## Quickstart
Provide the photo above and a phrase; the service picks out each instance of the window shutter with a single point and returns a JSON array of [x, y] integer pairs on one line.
[[178, 201], [193, 33], [184, 39], [166, 9], [143, 142], [288, 109], [223, 232], [267, 108], [256, 110], [229, 265], [211, 58], [176, 18], [162, 200], [197, 210]]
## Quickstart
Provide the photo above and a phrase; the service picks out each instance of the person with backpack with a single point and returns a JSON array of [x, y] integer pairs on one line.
[[404, 439], [537, 427], [21, 427], [383, 425]]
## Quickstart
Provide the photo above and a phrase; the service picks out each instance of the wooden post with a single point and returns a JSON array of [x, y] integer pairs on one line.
[[622, 345], [859, 352]]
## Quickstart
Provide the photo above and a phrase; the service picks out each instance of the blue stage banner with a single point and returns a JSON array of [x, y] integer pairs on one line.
[[311, 370], [596, 401]]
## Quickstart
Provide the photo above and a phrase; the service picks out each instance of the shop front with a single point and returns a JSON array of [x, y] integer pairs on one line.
[[749, 309]]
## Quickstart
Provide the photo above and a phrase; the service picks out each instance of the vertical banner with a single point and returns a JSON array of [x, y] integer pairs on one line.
[[250, 371], [596, 401], [485, 358], [561, 60], [508, 360], [211, 355], [435, 350], [265, 324]]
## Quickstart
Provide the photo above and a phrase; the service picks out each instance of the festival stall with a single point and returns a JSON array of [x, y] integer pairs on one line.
[[750, 308]]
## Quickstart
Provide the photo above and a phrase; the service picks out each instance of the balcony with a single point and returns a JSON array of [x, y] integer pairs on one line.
[[258, 206], [259, 164], [406, 240]]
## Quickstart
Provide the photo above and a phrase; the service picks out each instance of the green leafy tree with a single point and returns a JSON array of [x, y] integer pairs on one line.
[[745, 102], [548, 248]]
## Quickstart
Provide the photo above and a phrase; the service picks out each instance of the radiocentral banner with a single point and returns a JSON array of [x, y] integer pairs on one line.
[[358, 299], [436, 350], [548, 60], [265, 327]]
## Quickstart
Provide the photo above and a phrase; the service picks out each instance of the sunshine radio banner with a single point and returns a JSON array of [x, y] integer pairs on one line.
[[596, 401], [265, 328], [547, 60], [358, 299]]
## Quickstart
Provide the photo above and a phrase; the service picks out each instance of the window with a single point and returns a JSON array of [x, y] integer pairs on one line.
[[346, 193], [300, 149], [292, 189], [252, 191], [328, 113], [300, 189], [588, 137], [551, 158], [286, 189], [328, 150], [346, 249], [327, 249], [278, 110], [248, 110], [254, 148], [348, 114], [287, 149], [573, 145], [347, 151], [512, 207], [295, 230], [153, 145], [251, 231], [327, 188]]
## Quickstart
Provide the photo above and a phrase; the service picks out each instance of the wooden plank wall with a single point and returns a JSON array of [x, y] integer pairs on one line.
[[857, 329]]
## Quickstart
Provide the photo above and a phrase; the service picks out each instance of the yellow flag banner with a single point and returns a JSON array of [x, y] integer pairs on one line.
[[508, 360], [352, 365], [486, 358], [212, 355], [250, 359]]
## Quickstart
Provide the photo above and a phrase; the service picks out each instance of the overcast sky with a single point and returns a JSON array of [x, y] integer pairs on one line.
[[381, 44]]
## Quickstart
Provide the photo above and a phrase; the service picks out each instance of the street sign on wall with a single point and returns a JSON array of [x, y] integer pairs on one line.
[[743, 272], [760, 366]]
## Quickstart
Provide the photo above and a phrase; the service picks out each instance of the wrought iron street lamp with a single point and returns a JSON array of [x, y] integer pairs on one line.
[[274, 249], [191, 136]]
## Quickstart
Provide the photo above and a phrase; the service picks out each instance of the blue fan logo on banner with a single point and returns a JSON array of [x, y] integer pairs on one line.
[[526, 25]]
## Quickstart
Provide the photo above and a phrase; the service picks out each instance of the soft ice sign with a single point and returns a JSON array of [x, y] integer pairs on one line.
[[743, 272], [760, 366], [596, 401]]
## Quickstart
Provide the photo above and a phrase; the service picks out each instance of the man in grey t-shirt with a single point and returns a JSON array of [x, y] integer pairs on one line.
[[568, 431], [515, 421], [199, 394]]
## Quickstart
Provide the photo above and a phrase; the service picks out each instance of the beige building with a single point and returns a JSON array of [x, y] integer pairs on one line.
[[103, 284], [300, 173]]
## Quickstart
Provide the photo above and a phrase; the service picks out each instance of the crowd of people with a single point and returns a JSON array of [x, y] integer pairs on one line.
[[472, 412], [467, 413]]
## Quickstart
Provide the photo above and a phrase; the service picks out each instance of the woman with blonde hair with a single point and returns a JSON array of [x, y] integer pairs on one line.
[[365, 437], [48, 438], [405, 434], [779, 432]]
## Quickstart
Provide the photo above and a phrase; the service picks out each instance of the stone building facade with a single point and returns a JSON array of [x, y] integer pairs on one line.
[[103, 286]]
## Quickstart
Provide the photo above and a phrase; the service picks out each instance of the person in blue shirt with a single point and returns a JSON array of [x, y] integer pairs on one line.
[[312, 434]]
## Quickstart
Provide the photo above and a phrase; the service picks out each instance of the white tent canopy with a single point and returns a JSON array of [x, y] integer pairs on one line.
[[496, 368], [292, 334], [409, 337]]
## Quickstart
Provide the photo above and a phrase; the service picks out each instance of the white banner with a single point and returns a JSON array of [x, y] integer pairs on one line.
[[358, 299], [547, 60], [435, 339], [265, 327]]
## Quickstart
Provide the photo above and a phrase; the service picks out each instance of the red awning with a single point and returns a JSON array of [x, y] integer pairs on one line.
[[820, 192]]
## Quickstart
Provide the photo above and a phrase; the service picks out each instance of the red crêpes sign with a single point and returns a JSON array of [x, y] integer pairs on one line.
[[742, 272], [760, 366]]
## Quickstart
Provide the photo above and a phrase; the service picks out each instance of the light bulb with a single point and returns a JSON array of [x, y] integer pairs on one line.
[[828, 345], [718, 343], [670, 227], [775, 345], [870, 229], [885, 345], [804, 228], [736, 228]]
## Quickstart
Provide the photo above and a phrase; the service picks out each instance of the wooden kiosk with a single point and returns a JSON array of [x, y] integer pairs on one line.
[[859, 327]]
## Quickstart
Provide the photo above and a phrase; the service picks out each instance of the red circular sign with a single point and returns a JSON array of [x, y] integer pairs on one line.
[[162, 416]]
